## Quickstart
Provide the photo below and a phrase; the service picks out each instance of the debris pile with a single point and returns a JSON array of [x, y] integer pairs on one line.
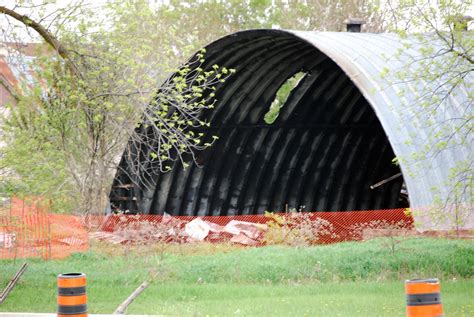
[[133, 230]]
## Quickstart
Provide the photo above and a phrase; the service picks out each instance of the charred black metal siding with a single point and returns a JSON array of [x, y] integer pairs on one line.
[[323, 152]]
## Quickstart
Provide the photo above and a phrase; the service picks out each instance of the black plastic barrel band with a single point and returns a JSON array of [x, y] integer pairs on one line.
[[72, 310], [423, 299], [71, 291]]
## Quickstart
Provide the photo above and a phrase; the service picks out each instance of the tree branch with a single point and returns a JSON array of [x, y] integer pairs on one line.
[[45, 34], [10, 90]]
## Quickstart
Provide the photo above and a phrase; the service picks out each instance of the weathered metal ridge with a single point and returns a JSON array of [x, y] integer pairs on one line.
[[336, 135]]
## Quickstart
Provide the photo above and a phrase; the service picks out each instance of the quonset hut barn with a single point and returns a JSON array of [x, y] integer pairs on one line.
[[336, 135]]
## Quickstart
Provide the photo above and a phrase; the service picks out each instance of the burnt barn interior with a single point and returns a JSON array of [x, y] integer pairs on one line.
[[335, 135]]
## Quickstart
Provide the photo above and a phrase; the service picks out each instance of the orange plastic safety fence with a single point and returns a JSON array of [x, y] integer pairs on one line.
[[338, 226], [27, 230]]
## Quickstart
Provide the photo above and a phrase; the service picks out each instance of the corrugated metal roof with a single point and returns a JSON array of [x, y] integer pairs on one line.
[[363, 57], [325, 148]]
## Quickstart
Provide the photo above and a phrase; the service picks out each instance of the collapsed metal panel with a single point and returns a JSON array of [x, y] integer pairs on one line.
[[328, 145]]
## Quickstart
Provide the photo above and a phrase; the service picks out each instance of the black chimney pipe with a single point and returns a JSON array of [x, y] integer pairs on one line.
[[354, 24]]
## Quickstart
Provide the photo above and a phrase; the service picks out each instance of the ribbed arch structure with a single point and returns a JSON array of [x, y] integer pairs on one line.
[[335, 136]]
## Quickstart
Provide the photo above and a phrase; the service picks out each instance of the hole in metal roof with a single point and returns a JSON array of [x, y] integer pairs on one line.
[[281, 97]]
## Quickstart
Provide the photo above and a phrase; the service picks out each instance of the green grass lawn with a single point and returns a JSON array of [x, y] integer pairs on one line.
[[346, 279]]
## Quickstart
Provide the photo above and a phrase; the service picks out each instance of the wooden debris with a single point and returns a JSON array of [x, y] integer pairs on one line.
[[123, 307], [13, 282], [385, 181]]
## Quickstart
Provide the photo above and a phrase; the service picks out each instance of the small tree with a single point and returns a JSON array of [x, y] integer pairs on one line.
[[71, 122]]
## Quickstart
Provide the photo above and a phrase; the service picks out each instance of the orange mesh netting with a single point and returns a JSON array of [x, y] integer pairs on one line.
[[27, 229], [333, 226]]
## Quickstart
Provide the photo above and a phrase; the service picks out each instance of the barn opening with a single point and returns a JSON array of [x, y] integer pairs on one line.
[[323, 151]]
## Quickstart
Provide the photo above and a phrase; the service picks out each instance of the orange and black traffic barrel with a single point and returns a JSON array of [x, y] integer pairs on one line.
[[423, 298], [72, 298]]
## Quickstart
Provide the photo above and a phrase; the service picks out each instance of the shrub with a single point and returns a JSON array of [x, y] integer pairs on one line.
[[296, 229]]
